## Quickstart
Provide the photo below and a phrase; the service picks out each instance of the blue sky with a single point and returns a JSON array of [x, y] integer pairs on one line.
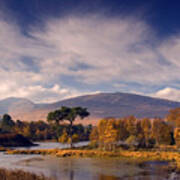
[[56, 49]]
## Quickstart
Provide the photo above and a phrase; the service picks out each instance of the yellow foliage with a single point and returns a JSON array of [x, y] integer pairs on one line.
[[131, 123], [75, 138], [108, 133], [177, 136], [174, 117], [161, 132], [94, 137], [64, 137]]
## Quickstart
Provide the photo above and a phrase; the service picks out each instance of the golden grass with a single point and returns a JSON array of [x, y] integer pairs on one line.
[[67, 152], [142, 155], [20, 175]]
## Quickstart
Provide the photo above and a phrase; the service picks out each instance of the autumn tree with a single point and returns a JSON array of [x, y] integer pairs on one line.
[[131, 127], [111, 134], [94, 137], [26, 131], [54, 118], [122, 131], [101, 132], [64, 137], [146, 129], [161, 132], [75, 138], [107, 133], [68, 114], [177, 136], [174, 117]]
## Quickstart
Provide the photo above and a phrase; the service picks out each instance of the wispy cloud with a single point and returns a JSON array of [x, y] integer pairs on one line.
[[91, 49], [113, 49]]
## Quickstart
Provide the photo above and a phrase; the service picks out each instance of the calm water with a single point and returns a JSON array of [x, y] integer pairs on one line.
[[85, 168], [54, 145]]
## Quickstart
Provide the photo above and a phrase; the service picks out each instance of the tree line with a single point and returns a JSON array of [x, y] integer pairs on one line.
[[141, 133], [45, 131], [131, 131], [108, 134]]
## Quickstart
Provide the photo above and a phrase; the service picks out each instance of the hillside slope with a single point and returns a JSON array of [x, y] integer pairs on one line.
[[100, 105]]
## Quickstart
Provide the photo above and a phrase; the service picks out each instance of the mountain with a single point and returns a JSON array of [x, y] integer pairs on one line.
[[13, 104], [99, 105]]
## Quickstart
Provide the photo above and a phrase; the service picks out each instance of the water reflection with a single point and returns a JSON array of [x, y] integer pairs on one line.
[[104, 177], [140, 177], [86, 168], [100, 169], [71, 175], [53, 145], [71, 171]]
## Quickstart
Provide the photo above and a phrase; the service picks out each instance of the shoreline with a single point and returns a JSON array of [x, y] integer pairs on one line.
[[139, 156], [143, 159]]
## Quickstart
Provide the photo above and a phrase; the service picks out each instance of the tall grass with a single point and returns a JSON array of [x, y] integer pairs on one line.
[[20, 175]]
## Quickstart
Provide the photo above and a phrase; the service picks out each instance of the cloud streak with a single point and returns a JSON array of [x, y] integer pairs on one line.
[[91, 49]]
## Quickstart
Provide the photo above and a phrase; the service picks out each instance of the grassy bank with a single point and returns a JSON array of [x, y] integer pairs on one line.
[[20, 175], [67, 152], [132, 155]]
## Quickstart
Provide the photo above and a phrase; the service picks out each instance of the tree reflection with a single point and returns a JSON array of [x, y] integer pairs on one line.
[[71, 174], [71, 170], [104, 177]]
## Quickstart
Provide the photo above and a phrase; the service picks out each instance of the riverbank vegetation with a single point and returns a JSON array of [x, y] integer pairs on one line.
[[20, 175], [138, 140], [69, 114], [132, 156], [41, 131], [14, 140], [110, 134], [131, 132]]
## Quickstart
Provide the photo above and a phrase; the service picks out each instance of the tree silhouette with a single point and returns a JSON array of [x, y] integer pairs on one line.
[[68, 114], [7, 123]]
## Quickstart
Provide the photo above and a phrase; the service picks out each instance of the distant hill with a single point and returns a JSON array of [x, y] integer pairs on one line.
[[13, 104], [100, 105]]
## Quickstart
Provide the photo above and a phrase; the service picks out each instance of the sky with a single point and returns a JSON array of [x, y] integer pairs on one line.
[[56, 49]]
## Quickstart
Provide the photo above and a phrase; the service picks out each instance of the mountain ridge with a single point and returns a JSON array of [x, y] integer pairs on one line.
[[100, 105]]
